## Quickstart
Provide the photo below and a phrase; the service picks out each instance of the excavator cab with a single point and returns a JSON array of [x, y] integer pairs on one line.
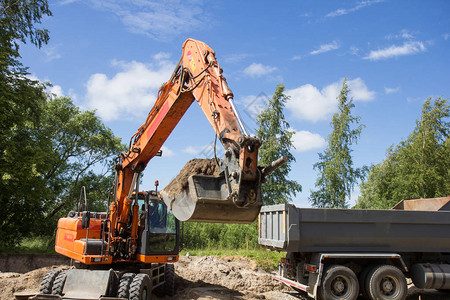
[[159, 230]]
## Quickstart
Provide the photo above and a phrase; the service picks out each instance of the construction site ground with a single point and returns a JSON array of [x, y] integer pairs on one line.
[[198, 277]]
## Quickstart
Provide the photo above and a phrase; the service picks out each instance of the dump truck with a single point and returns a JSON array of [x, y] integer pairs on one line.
[[342, 253]]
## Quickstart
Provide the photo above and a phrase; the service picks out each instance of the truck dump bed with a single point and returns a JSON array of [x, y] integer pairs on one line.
[[287, 228]]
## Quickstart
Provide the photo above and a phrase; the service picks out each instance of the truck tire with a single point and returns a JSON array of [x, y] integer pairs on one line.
[[339, 283], [124, 285], [58, 283], [47, 282], [386, 282], [362, 280], [141, 287]]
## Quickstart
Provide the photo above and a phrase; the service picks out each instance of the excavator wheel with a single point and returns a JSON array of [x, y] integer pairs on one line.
[[47, 282], [168, 287], [58, 283], [124, 285], [169, 284], [141, 287]]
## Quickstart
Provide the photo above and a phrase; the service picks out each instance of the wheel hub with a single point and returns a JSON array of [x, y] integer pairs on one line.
[[387, 286], [339, 286]]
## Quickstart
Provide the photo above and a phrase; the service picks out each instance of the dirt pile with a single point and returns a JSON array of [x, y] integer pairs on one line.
[[193, 167], [213, 277], [11, 283]]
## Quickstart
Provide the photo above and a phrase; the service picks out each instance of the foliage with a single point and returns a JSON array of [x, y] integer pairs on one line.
[[337, 176], [21, 105], [18, 19], [217, 235], [31, 245], [44, 166], [20, 97], [416, 168], [276, 138]]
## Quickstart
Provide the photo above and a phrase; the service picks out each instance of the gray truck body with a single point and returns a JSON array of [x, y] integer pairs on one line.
[[342, 253], [287, 228]]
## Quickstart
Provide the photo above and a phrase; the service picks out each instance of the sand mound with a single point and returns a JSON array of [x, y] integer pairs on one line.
[[193, 167]]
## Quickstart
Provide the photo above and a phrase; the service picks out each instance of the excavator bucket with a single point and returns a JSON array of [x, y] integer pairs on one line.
[[196, 196]]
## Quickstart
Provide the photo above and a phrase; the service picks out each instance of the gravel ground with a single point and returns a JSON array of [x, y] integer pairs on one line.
[[204, 277]]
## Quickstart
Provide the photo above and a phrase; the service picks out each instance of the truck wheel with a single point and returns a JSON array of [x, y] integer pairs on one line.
[[141, 287], [339, 283], [124, 285], [58, 283], [386, 282], [362, 281], [47, 282], [169, 276]]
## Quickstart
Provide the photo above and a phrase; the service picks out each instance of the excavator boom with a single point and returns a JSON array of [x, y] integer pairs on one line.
[[231, 197]]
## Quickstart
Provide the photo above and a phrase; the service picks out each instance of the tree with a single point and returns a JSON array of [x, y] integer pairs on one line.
[[20, 98], [276, 137], [417, 167], [46, 164], [21, 104], [337, 175]]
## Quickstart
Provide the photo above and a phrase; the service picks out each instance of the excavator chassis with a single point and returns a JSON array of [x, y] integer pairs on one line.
[[126, 284]]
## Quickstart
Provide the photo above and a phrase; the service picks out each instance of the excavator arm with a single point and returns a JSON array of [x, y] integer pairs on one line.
[[232, 197]]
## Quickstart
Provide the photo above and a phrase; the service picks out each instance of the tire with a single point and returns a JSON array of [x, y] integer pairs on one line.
[[124, 285], [339, 283], [362, 281], [58, 283], [47, 282], [141, 287], [386, 282], [169, 277]]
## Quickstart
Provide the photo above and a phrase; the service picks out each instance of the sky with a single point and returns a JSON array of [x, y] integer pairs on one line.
[[113, 55]]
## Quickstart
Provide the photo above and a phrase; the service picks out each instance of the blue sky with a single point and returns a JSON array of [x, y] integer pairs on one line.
[[112, 56]]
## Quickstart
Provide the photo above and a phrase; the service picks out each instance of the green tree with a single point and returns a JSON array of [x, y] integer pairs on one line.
[[20, 98], [337, 175], [46, 164], [276, 137], [21, 104], [417, 167]]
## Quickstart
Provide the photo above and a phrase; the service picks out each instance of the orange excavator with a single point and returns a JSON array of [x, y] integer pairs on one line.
[[127, 252]]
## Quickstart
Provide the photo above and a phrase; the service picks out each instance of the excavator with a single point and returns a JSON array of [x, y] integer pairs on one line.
[[128, 252]]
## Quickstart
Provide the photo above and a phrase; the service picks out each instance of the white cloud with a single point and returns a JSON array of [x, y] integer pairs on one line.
[[354, 50], [404, 34], [129, 93], [309, 103], [52, 52], [344, 11], [158, 19], [446, 36], [296, 57], [408, 48], [325, 48], [258, 70], [166, 152], [359, 90], [391, 90], [56, 91], [192, 150], [305, 141]]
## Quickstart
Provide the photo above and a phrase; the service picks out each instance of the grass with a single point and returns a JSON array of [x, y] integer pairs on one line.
[[265, 259], [34, 245]]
